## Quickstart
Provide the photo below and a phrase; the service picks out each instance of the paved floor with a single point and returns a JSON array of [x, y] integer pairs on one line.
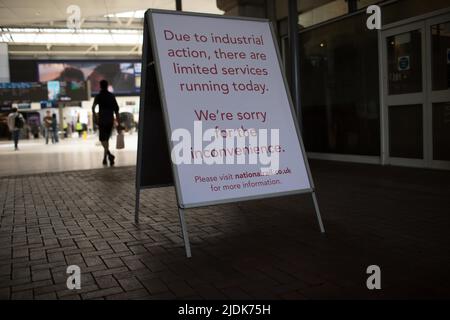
[[35, 156], [397, 218]]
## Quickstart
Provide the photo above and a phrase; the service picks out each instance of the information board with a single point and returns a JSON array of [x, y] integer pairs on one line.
[[27, 92], [225, 74], [17, 92], [221, 115]]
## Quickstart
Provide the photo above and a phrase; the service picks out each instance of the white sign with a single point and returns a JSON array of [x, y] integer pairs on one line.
[[224, 75]]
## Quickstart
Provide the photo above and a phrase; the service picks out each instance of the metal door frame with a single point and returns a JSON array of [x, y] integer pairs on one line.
[[401, 99]]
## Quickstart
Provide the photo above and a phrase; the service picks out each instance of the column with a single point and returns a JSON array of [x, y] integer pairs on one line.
[[4, 63]]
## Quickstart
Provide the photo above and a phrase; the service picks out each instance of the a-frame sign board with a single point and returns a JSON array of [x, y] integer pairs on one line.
[[216, 118]]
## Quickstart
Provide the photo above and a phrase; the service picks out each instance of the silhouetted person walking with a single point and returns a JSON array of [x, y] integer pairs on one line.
[[48, 126], [15, 123], [55, 138], [105, 120]]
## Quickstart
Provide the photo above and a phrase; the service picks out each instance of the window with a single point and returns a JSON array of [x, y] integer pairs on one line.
[[340, 91], [440, 56]]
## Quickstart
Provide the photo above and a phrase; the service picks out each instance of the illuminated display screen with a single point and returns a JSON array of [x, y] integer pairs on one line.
[[124, 77], [22, 92], [54, 91]]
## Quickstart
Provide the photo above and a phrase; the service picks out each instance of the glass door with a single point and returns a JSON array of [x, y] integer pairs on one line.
[[404, 99], [438, 79]]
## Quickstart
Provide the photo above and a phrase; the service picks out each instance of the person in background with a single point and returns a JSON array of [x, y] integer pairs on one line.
[[47, 125], [65, 128], [15, 123], [55, 138], [108, 107], [79, 128]]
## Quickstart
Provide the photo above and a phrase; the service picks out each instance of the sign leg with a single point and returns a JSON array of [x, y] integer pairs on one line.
[[319, 218], [136, 206], [184, 231]]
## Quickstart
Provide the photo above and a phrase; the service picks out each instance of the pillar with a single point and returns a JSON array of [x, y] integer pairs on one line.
[[4, 63]]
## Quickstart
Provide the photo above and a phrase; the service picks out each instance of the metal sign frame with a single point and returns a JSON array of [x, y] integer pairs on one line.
[[149, 34]]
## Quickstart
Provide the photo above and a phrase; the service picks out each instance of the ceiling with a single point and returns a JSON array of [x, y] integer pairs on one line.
[[31, 12], [38, 29]]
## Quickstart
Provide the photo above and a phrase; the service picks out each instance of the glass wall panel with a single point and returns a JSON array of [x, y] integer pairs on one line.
[[405, 62], [406, 131], [339, 88], [440, 56]]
